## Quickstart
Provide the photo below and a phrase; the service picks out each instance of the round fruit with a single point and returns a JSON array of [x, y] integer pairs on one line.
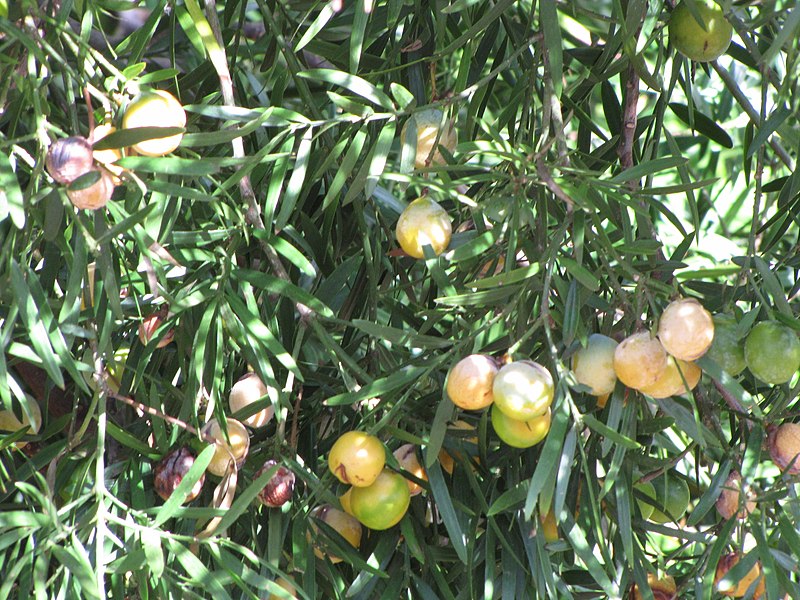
[[344, 500], [94, 196], [357, 458], [672, 499], [423, 223], [727, 349], [170, 471], [285, 585], [382, 504], [406, 456], [109, 156], [247, 390], [784, 447], [772, 352], [549, 526], [10, 422], [729, 501], [345, 525], [148, 327], [663, 589], [69, 158], [678, 378], [520, 434], [704, 41], [428, 122], [593, 366], [523, 390], [737, 589], [237, 445], [686, 329], [156, 108], [645, 508], [280, 487], [469, 383], [640, 360]]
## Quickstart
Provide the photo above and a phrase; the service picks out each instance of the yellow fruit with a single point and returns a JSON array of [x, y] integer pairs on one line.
[[344, 500], [247, 390], [639, 360], [96, 195], [238, 444], [287, 586], [523, 390], [155, 108], [738, 589], [593, 366], [663, 589], [469, 383], [729, 501], [423, 223], [428, 123], [686, 329], [678, 378], [704, 41], [772, 352], [357, 458], [109, 156], [406, 456], [345, 525], [382, 504], [549, 526], [10, 422], [520, 434], [784, 447]]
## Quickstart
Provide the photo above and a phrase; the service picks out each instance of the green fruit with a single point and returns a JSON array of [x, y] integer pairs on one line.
[[648, 490], [727, 349], [672, 499], [520, 434], [772, 352], [382, 504], [702, 42], [593, 366]]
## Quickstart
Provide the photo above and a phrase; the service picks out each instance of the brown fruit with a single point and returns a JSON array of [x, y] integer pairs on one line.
[[469, 383], [729, 502], [663, 589], [686, 329], [739, 588], [95, 195], [784, 447], [640, 360], [69, 158], [170, 471], [280, 487], [148, 328]]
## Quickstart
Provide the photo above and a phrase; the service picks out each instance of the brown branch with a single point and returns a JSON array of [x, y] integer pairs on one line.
[[295, 413], [627, 135]]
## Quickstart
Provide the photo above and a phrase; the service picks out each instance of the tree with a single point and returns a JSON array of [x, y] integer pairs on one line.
[[599, 174]]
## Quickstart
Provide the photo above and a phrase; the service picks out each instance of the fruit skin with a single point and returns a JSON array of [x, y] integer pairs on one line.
[[738, 589], [96, 195], [784, 447], [423, 223], [382, 504], [729, 499], [645, 508], [523, 390], [69, 158], [428, 122], [663, 589], [639, 360], [239, 445], [469, 383], [345, 525], [686, 329], [109, 156], [248, 389], [772, 352], [520, 434], [406, 456], [357, 458], [9, 421], [680, 377], [672, 499], [549, 526], [156, 108], [694, 41], [280, 487], [593, 365], [148, 327], [727, 349], [170, 471]]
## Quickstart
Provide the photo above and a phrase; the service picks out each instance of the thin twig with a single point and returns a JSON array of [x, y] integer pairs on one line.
[[629, 120]]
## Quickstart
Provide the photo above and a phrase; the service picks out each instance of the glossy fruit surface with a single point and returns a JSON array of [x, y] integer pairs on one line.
[[593, 365], [772, 352], [109, 156], [783, 443], [644, 488], [701, 42], [662, 589], [423, 223], [640, 360], [523, 390], [345, 525], [95, 195], [247, 390], [549, 526], [738, 589], [69, 158], [686, 329], [280, 487], [238, 445], [382, 504], [10, 423], [155, 108], [357, 458], [469, 383], [428, 123], [170, 471], [727, 349], [680, 377], [672, 499], [406, 456], [520, 434]]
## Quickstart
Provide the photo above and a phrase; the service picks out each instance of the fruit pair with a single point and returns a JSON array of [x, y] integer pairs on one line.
[[70, 160]]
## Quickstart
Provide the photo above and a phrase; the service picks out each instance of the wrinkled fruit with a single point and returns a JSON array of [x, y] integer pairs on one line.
[[170, 471], [737, 589], [69, 158], [663, 589], [280, 487], [730, 503], [784, 447], [95, 195], [148, 327]]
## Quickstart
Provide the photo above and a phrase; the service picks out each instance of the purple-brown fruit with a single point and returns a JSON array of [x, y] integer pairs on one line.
[[279, 488], [69, 158], [170, 471]]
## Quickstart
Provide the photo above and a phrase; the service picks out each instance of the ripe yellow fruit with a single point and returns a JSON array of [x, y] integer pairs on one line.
[[238, 444], [686, 329], [109, 156], [520, 434], [523, 390], [247, 390], [729, 501], [423, 223], [345, 525], [469, 383], [381, 505], [593, 366], [10, 422], [639, 360], [428, 123], [680, 377], [737, 589], [704, 41], [406, 456], [95, 195], [784, 447], [357, 458], [549, 526], [155, 108], [663, 589]]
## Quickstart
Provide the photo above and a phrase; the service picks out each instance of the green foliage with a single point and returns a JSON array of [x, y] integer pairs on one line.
[[599, 174]]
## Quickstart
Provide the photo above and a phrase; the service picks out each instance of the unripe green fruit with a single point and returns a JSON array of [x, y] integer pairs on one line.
[[727, 349], [672, 499], [382, 504], [593, 366], [772, 352], [423, 223], [523, 390], [701, 42], [520, 434]]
